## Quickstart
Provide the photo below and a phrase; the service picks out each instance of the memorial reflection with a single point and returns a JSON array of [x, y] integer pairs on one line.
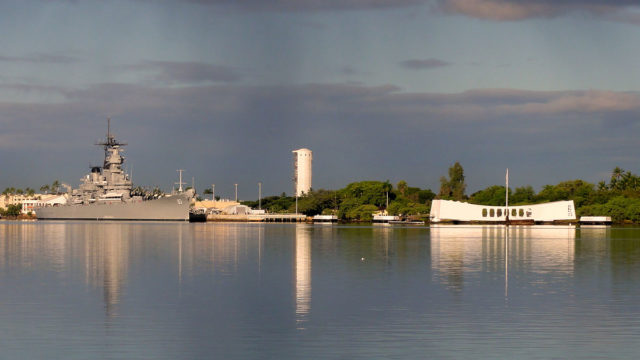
[[617, 251], [461, 253]]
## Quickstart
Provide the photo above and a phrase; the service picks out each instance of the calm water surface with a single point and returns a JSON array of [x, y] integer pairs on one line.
[[84, 290]]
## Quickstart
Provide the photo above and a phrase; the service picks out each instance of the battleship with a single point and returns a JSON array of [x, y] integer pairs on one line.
[[106, 193]]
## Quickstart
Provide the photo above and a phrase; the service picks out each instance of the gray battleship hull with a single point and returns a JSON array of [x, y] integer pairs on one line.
[[169, 208]]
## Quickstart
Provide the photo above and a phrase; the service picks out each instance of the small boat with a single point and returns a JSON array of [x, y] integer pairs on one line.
[[326, 219], [198, 215], [384, 219]]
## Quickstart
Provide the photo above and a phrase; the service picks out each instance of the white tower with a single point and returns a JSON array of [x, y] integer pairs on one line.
[[302, 159]]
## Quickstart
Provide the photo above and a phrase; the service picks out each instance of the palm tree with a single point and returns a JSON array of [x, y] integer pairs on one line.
[[615, 178], [602, 186], [402, 186], [55, 187], [387, 187], [45, 188]]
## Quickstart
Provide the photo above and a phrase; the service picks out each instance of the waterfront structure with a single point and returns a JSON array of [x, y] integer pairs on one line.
[[456, 211], [30, 206], [595, 220], [302, 174], [384, 219], [31, 202], [106, 194], [325, 219]]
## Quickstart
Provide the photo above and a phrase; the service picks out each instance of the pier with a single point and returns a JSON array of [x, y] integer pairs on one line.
[[257, 217]]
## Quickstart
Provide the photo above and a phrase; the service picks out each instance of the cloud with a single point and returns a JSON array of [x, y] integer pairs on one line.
[[356, 131], [40, 59], [418, 64], [311, 5], [496, 10], [512, 10], [33, 88], [173, 72], [348, 70]]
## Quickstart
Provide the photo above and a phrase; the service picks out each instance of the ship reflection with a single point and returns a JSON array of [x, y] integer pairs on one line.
[[460, 254], [302, 274], [106, 255]]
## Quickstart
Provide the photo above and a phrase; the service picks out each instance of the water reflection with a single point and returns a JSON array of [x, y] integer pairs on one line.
[[302, 274], [167, 289], [461, 254], [106, 257]]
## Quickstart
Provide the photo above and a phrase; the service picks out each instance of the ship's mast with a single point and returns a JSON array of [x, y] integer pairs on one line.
[[180, 183], [507, 196], [109, 143], [108, 140]]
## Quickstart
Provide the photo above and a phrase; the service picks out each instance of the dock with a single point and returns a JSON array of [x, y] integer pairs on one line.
[[257, 217]]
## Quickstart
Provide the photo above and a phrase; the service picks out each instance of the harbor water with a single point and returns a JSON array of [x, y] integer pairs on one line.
[[135, 290]]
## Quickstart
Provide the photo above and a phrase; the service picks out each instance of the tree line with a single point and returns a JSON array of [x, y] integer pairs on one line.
[[618, 198], [355, 202], [54, 188]]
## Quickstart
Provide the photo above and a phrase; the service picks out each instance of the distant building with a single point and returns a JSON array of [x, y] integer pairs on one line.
[[302, 160], [237, 210], [31, 202]]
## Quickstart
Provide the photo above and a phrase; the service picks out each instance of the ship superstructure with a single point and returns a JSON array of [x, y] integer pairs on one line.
[[106, 183]]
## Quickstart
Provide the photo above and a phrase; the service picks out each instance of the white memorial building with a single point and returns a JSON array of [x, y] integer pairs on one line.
[[456, 211]]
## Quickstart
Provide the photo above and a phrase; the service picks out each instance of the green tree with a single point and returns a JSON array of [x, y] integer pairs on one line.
[[454, 187], [316, 201], [402, 187], [425, 196], [616, 175], [405, 207], [522, 195], [361, 213], [387, 188], [55, 187], [493, 195], [13, 210]]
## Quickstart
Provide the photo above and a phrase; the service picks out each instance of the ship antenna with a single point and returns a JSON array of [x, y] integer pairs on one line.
[[108, 128], [180, 183]]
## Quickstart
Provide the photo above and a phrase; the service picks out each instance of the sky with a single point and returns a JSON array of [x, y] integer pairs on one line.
[[377, 89]]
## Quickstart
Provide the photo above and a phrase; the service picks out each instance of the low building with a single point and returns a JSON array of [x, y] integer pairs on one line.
[[456, 211], [32, 205], [31, 202], [237, 210], [217, 204]]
